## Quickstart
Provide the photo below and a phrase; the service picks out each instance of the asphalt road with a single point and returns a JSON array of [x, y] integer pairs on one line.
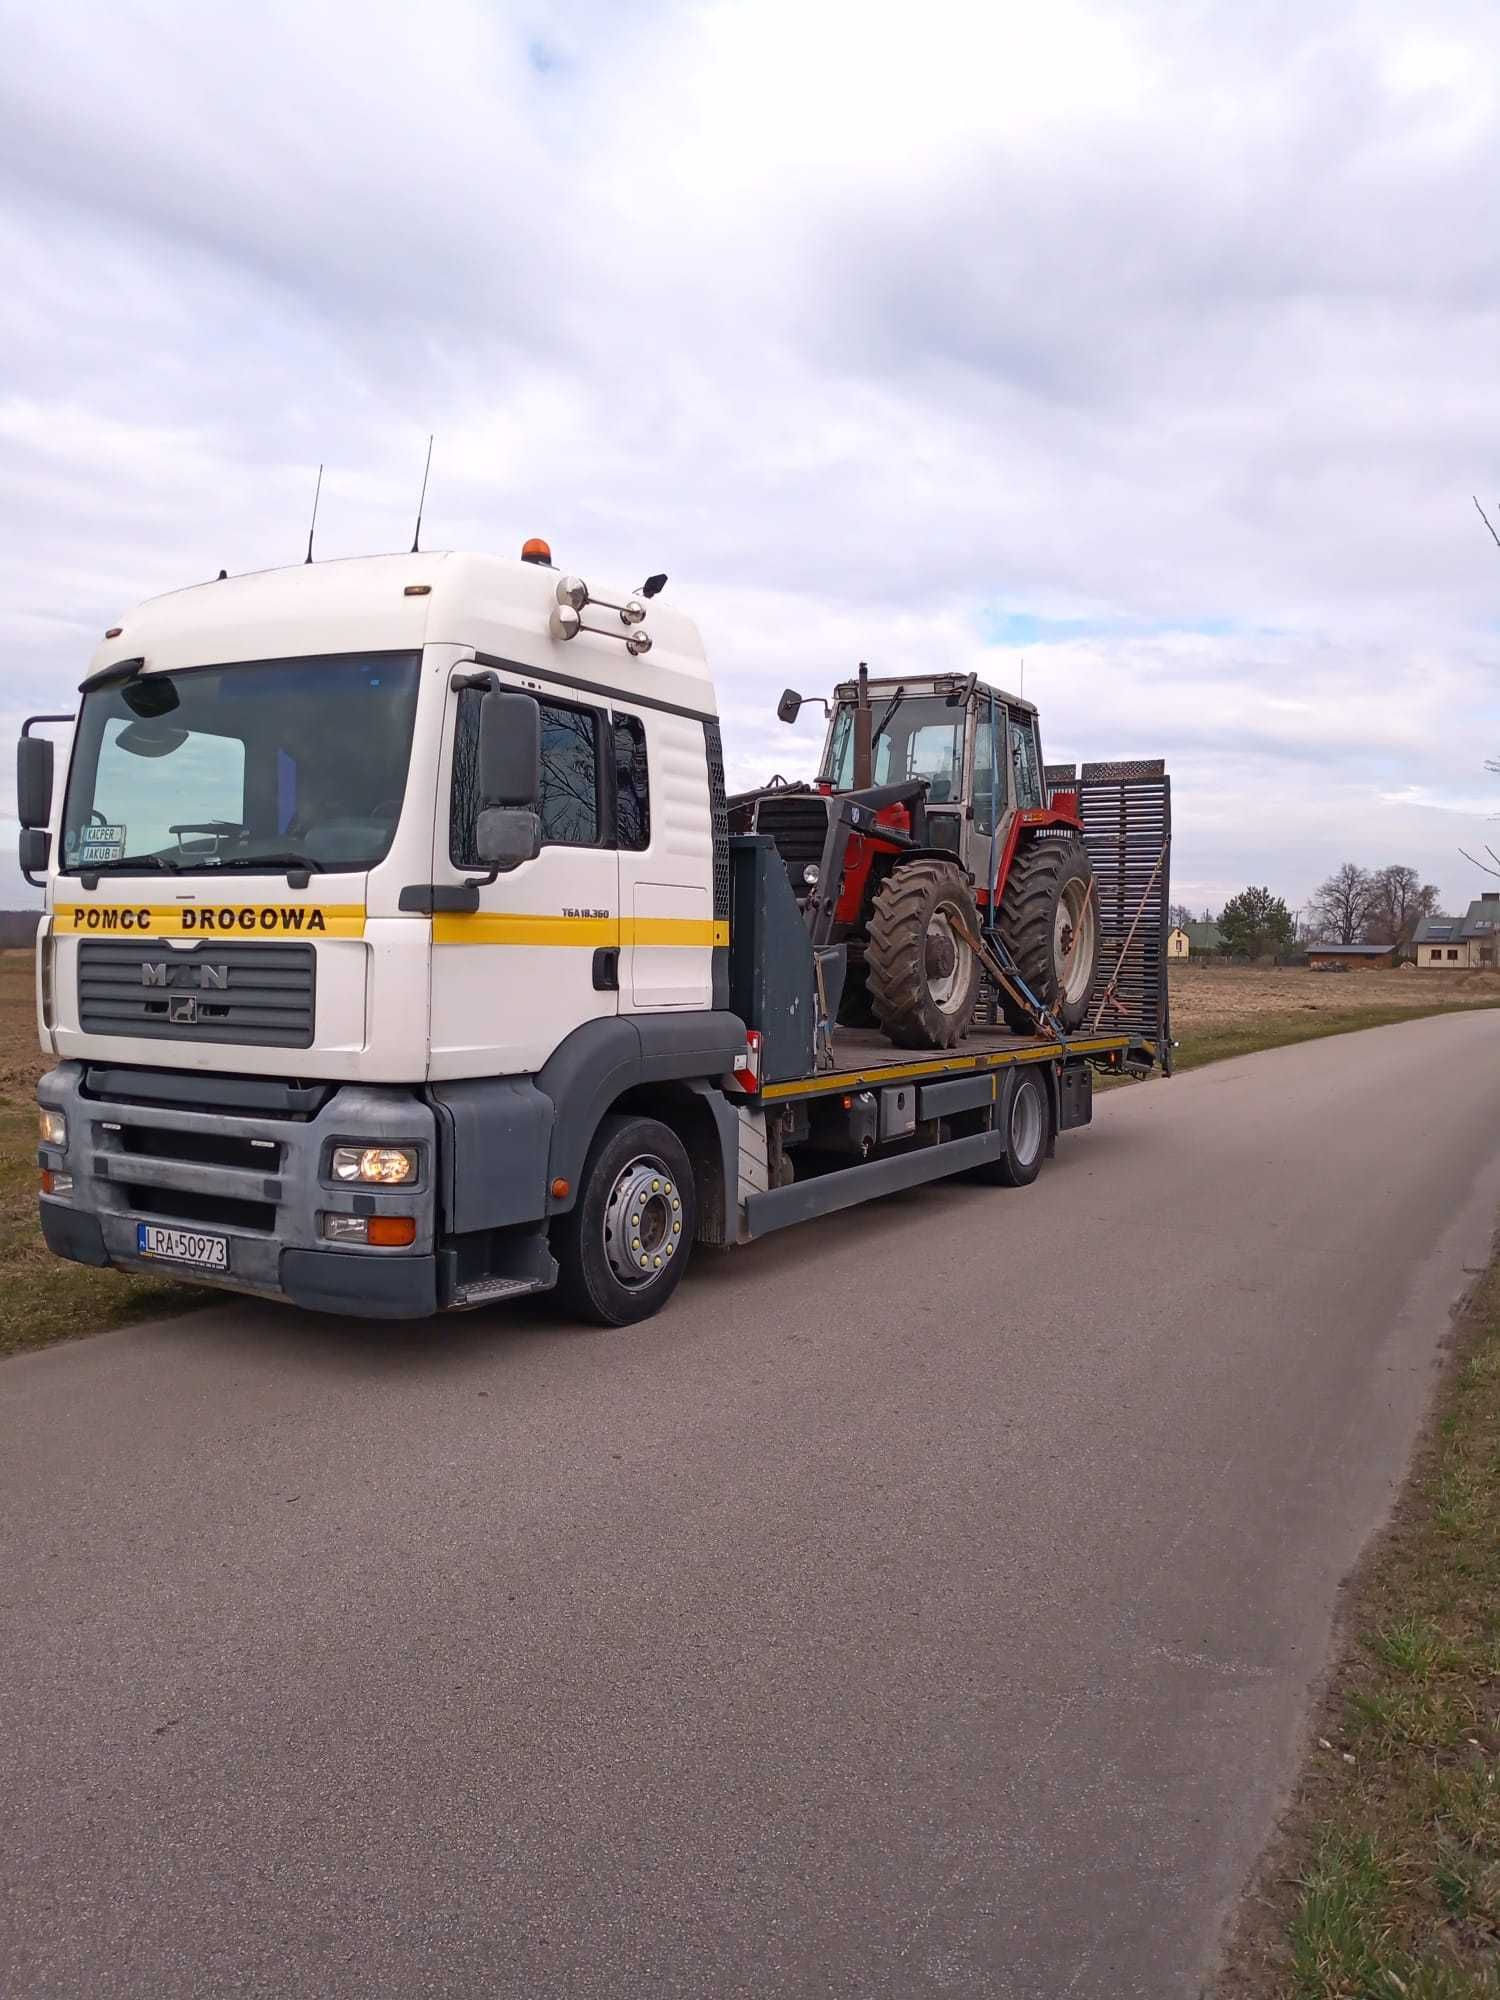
[[926, 1604]]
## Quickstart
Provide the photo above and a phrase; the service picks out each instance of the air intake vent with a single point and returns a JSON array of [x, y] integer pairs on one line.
[[254, 994], [799, 826]]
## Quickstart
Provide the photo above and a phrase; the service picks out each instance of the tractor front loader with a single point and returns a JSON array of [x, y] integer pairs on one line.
[[933, 871]]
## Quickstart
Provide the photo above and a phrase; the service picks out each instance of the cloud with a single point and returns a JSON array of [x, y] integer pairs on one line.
[[1157, 340]]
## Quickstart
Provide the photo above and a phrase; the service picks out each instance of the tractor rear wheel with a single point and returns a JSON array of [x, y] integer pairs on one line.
[[1049, 921], [921, 970]]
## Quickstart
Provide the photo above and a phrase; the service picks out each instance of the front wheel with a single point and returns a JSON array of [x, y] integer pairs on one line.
[[922, 973], [622, 1248]]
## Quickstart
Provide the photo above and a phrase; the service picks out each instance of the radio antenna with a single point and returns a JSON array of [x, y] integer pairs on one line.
[[417, 536], [317, 490]]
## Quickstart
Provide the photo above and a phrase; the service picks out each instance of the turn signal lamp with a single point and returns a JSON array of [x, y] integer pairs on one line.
[[386, 1232], [385, 1166]]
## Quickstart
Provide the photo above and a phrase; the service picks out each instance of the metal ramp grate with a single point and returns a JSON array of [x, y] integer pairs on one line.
[[1126, 809]]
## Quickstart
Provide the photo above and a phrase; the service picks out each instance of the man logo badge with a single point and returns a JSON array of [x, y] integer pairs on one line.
[[183, 1007], [209, 978]]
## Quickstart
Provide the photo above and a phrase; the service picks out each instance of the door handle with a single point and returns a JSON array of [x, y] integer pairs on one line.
[[607, 969]]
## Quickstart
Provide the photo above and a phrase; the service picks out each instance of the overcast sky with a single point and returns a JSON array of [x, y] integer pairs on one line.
[[1155, 344]]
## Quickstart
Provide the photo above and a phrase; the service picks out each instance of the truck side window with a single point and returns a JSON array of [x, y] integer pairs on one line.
[[570, 778], [632, 784]]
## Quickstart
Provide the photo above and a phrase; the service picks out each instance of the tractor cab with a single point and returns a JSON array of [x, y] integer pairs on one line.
[[975, 747]]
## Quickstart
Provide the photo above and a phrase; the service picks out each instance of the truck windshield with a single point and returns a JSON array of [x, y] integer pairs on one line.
[[922, 737], [273, 763]]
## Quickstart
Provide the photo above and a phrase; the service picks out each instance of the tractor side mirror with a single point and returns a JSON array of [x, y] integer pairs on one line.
[[789, 706], [34, 781]]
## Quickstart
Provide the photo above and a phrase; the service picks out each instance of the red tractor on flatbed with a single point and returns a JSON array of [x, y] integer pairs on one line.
[[930, 863]]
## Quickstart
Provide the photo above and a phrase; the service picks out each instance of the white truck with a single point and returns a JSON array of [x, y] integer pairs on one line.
[[398, 955]]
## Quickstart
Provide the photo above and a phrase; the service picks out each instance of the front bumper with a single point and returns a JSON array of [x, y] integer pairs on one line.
[[259, 1179]]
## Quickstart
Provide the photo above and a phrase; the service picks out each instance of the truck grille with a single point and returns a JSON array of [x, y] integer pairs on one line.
[[799, 827], [216, 992]]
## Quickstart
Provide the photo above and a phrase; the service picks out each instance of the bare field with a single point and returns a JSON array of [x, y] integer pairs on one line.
[[1222, 996]]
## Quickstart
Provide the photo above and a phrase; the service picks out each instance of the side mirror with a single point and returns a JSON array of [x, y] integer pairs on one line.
[[789, 706], [34, 781], [510, 753], [505, 836], [33, 849]]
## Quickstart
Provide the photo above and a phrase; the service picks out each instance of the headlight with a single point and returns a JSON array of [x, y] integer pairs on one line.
[[52, 1127], [812, 874], [388, 1166]]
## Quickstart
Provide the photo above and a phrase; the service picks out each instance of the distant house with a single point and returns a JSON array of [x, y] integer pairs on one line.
[[1348, 957], [1468, 941], [1194, 941]]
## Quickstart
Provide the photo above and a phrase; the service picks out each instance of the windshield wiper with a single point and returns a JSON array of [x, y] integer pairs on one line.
[[880, 728], [274, 862]]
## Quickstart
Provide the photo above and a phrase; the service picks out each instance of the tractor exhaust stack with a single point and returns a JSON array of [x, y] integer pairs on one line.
[[864, 721]]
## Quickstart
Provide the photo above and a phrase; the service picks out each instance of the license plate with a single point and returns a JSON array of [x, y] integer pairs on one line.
[[183, 1246]]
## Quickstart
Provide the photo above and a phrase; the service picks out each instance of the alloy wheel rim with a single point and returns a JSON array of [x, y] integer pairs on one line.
[[642, 1227]]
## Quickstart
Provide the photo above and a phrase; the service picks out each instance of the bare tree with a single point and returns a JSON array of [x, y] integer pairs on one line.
[[1399, 900], [1179, 915], [1340, 909]]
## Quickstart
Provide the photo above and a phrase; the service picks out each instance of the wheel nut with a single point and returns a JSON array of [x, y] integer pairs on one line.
[[657, 1262], [656, 1187]]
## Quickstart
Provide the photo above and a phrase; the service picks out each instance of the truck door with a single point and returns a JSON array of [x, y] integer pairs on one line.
[[665, 828], [540, 956]]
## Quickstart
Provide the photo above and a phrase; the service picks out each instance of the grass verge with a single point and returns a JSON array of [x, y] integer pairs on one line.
[[1197, 1046], [1383, 1882], [42, 1298]]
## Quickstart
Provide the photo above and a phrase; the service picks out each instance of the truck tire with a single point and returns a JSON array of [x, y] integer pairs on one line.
[[623, 1246], [1026, 1120], [923, 977], [1049, 920]]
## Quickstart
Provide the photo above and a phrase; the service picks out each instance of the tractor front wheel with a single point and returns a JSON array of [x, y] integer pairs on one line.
[[922, 973], [1049, 921]]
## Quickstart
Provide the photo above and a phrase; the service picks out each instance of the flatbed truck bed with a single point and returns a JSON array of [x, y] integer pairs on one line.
[[902, 1117], [862, 1057]]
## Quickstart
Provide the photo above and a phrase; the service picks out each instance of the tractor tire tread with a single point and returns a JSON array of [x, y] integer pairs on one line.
[[894, 960]]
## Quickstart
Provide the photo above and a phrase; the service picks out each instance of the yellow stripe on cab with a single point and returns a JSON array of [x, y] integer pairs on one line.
[[516, 927]]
